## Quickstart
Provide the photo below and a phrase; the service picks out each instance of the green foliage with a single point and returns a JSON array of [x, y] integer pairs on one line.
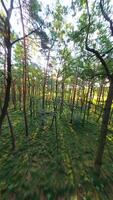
[[57, 159], [36, 165], [34, 8], [19, 53]]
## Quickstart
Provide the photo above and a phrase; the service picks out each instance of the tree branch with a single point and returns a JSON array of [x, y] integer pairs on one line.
[[10, 9], [4, 7], [106, 17], [21, 38], [97, 54], [11, 4], [108, 51]]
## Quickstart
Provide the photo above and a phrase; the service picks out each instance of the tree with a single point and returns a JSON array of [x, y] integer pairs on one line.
[[107, 108], [7, 40]]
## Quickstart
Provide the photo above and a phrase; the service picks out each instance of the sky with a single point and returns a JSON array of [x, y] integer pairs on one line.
[[16, 22], [17, 26], [52, 2]]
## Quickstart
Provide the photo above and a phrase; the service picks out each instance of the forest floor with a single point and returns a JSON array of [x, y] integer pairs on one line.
[[57, 162]]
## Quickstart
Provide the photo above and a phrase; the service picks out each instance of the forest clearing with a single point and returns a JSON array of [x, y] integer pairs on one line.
[[56, 93]]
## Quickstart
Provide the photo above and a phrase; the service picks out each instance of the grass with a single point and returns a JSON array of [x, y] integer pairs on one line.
[[37, 165]]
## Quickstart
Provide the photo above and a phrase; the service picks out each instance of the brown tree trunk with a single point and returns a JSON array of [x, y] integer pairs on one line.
[[20, 96], [8, 45], [73, 100], [12, 133], [43, 196], [86, 105], [14, 94], [82, 98], [45, 81], [8, 81], [61, 198], [62, 98], [90, 100], [103, 133], [24, 73]]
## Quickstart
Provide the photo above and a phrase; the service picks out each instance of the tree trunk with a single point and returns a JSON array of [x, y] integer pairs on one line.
[[73, 101], [86, 105], [14, 94], [90, 101], [8, 45], [62, 98], [20, 96], [12, 133], [24, 72], [82, 98], [8, 84], [43, 196], [103, 133], [45, 81]]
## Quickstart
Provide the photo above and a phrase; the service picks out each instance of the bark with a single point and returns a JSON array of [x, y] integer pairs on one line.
[[43, 196], [45, 81], [61, 198], [24, 72], [99, 93], [12, 133], [62, 98], [20, 96], [86, 105], [82, 98], [107, 108], [14, 94], [102, 105], [8, 81], [78, 97], [54, 119], [90, 100], [8, 45], [103, 133], [73, 100], [110, 118]]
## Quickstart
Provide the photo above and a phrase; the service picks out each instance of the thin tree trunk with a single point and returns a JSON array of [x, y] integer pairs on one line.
[[73, 101], [82, 98], [8, 83], [43, 196], [14, 94], [54, 119], [62, 98], [20, 96], [8, 45], [90, 100], [86, 105], [102, 106], [24, 73], [12, 133], [8, 118], [45, 81]]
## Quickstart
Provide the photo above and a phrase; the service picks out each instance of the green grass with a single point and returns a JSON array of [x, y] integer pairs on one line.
[[37, 165]]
